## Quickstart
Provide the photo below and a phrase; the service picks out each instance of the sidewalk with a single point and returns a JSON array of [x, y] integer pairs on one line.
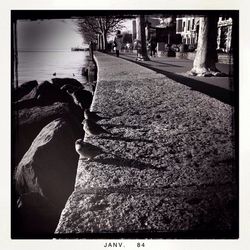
[[182, 66], [221, 88], [167, 170]]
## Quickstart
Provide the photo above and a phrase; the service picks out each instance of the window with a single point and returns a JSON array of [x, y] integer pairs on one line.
[[179, 25], [193, 24], [183, 26], [188, 28]]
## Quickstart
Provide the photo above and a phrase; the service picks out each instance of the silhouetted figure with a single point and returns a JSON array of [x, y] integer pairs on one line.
[[152, 46], [118, 42]]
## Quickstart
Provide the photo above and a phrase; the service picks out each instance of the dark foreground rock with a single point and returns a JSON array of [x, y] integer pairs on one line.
[[27, 101], [83, 98], [24, 89], [46, 174], [34, 216], [43, 95], [59, 82], [29, 122], [48, 93]]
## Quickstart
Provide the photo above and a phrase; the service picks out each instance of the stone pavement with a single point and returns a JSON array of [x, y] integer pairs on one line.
[[218, 87], [182, 66], [168, 168]]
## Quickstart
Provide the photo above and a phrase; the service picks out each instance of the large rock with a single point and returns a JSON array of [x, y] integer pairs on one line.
[[59, 82], [42, 95], [27, 101], [34, 216], [29, 122], [82, 98], [24, 89], [48, 93], [48, 169]]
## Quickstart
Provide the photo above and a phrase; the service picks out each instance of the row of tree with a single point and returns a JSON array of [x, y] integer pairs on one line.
[[205, 60], [102, 26]]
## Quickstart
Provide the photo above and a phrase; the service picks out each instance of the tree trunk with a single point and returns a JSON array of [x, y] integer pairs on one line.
[[101, 42], [140, 36], [105, 42], [206, 55]]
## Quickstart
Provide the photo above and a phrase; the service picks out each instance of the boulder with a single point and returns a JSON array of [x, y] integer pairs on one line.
[[28, 123], [70, 88], [27, 101], [42, 95], [24, 89], [31, 95], [48, 93], [25, 104], [82, 98], [59, 82], [49, 166], [34, 216]]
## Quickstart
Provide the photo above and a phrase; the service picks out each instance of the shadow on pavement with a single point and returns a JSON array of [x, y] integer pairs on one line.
[[126, 139], [118, 161], [220, 94]]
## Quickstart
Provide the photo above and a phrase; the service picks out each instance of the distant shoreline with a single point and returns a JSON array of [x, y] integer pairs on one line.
[[66, 50]]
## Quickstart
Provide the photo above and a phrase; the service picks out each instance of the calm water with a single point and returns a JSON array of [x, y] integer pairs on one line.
[[41, 66]]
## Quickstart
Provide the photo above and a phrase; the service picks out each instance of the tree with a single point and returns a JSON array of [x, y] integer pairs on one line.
[[141, 38], [206, 55], [91, 27]]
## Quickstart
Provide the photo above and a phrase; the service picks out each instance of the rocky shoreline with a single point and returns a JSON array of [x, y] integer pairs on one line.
[[46, 122]]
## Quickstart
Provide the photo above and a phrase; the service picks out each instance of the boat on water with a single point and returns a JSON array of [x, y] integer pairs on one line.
[[79, 49]]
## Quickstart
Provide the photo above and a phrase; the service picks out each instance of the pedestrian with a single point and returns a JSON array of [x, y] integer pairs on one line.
[[118, 42], [137, 47], [152, 46]]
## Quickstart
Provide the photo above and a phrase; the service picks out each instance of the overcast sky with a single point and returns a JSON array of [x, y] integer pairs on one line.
[[51, 34], [48, 35]]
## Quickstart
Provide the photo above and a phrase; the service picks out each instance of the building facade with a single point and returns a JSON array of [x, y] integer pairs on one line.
[[224, 39], [188, 28]]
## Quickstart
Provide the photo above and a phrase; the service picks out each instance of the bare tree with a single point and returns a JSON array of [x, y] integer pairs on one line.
[[206, 55], [90, 27]]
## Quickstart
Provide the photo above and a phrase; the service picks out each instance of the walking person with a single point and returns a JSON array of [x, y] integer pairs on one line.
[[152, 46], [118, 42]]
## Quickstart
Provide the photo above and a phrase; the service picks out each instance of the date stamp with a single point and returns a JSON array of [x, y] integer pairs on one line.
[[113, 244], [122, 244]]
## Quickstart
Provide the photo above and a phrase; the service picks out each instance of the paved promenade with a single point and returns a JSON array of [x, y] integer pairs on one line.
[[182, 66], [176, 69], [167, 169]]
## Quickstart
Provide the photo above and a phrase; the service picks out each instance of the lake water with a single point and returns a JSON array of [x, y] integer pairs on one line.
[[41, 66]]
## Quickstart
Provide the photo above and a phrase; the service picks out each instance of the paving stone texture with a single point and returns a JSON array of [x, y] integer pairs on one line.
[[168, 164]]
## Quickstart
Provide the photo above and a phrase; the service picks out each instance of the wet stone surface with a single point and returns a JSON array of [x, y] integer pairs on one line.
[[168, 162]]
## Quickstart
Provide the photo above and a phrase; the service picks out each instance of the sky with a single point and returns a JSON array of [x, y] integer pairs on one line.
[[52, 34], [48, 35]]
